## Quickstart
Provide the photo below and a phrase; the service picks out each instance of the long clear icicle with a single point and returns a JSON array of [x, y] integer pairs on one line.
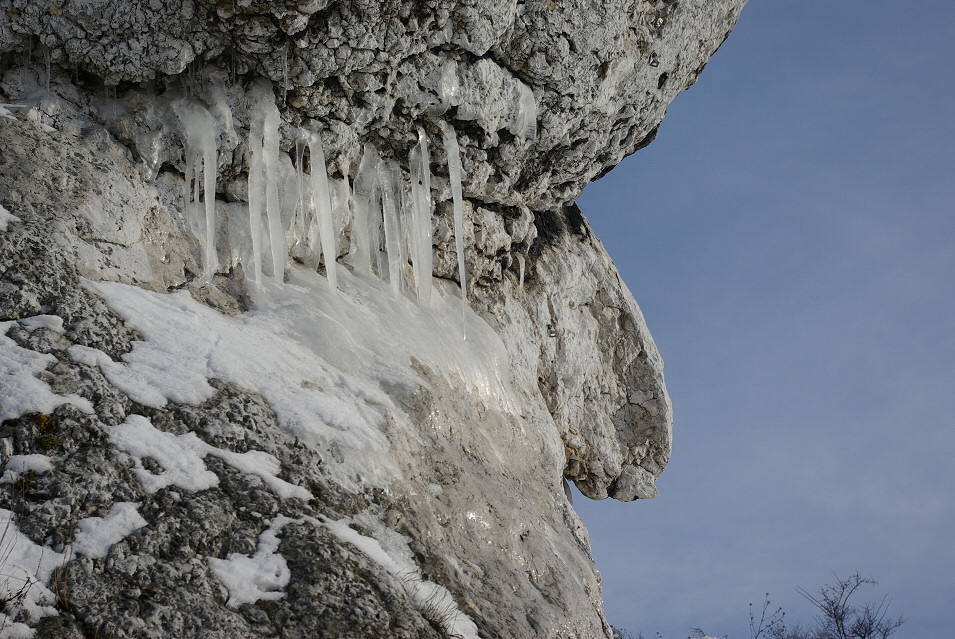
[[389, 210], [256, 193], [362, 248], [454, 173], [199, 128], [270, 144], [419, 162], [322, 207]]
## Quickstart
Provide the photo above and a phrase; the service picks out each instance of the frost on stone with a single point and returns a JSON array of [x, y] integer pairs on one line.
[[263, 575], [22, 392], [6, 217]]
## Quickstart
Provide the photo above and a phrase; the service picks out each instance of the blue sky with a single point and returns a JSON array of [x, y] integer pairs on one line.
[[790, 237]]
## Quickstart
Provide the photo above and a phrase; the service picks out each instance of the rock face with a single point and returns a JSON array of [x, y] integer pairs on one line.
[[393, 479]]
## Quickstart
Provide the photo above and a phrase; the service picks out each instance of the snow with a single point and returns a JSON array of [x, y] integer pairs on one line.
[[264, 575], [25, 568], [20, 390], [95, 535], [19, 464], [454, 171], [393, 554], [52, 322], [181, 459], [6, 216]]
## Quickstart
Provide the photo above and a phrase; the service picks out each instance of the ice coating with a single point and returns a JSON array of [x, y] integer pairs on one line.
[[419, 163], [322, 208], [199, 132], [454, 174], [520, 262]]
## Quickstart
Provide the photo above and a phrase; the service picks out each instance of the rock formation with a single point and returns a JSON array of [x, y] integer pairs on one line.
[[200, 440]]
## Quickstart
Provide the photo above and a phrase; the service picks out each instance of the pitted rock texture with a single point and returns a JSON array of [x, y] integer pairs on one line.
[[601, 73]]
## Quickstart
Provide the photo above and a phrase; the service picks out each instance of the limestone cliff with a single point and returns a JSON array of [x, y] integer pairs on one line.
[[196, 447]]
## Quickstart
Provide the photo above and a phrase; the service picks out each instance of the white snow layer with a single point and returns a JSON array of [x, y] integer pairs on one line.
[[95, 535], [393, 554], [25, 569], [19, 464], [181, 459], [6, 216], [20, 390], [264, 575]]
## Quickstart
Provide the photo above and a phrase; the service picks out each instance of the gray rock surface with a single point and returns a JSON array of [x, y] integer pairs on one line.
[[92, 168]]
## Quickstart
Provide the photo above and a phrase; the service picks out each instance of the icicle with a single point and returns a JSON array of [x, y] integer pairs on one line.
[[421, 240], [365, 203], [322, 206], [299, 219], [520, 262], [200, 146], [264, 142], [526, 124], [219, 108], [448, 87], [389, 209], [284, 75], [454, 174], [256, 193], [46, 58]]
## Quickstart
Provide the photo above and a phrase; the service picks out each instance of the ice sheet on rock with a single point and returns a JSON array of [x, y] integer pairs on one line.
[[26, 569], [95, 535], [181, 457], [22, 392], [6, 217], [19, 464], [264, 575], [391, 551], [320, 360]]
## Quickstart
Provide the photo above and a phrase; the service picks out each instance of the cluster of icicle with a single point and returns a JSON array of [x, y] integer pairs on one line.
[[391, 218]]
